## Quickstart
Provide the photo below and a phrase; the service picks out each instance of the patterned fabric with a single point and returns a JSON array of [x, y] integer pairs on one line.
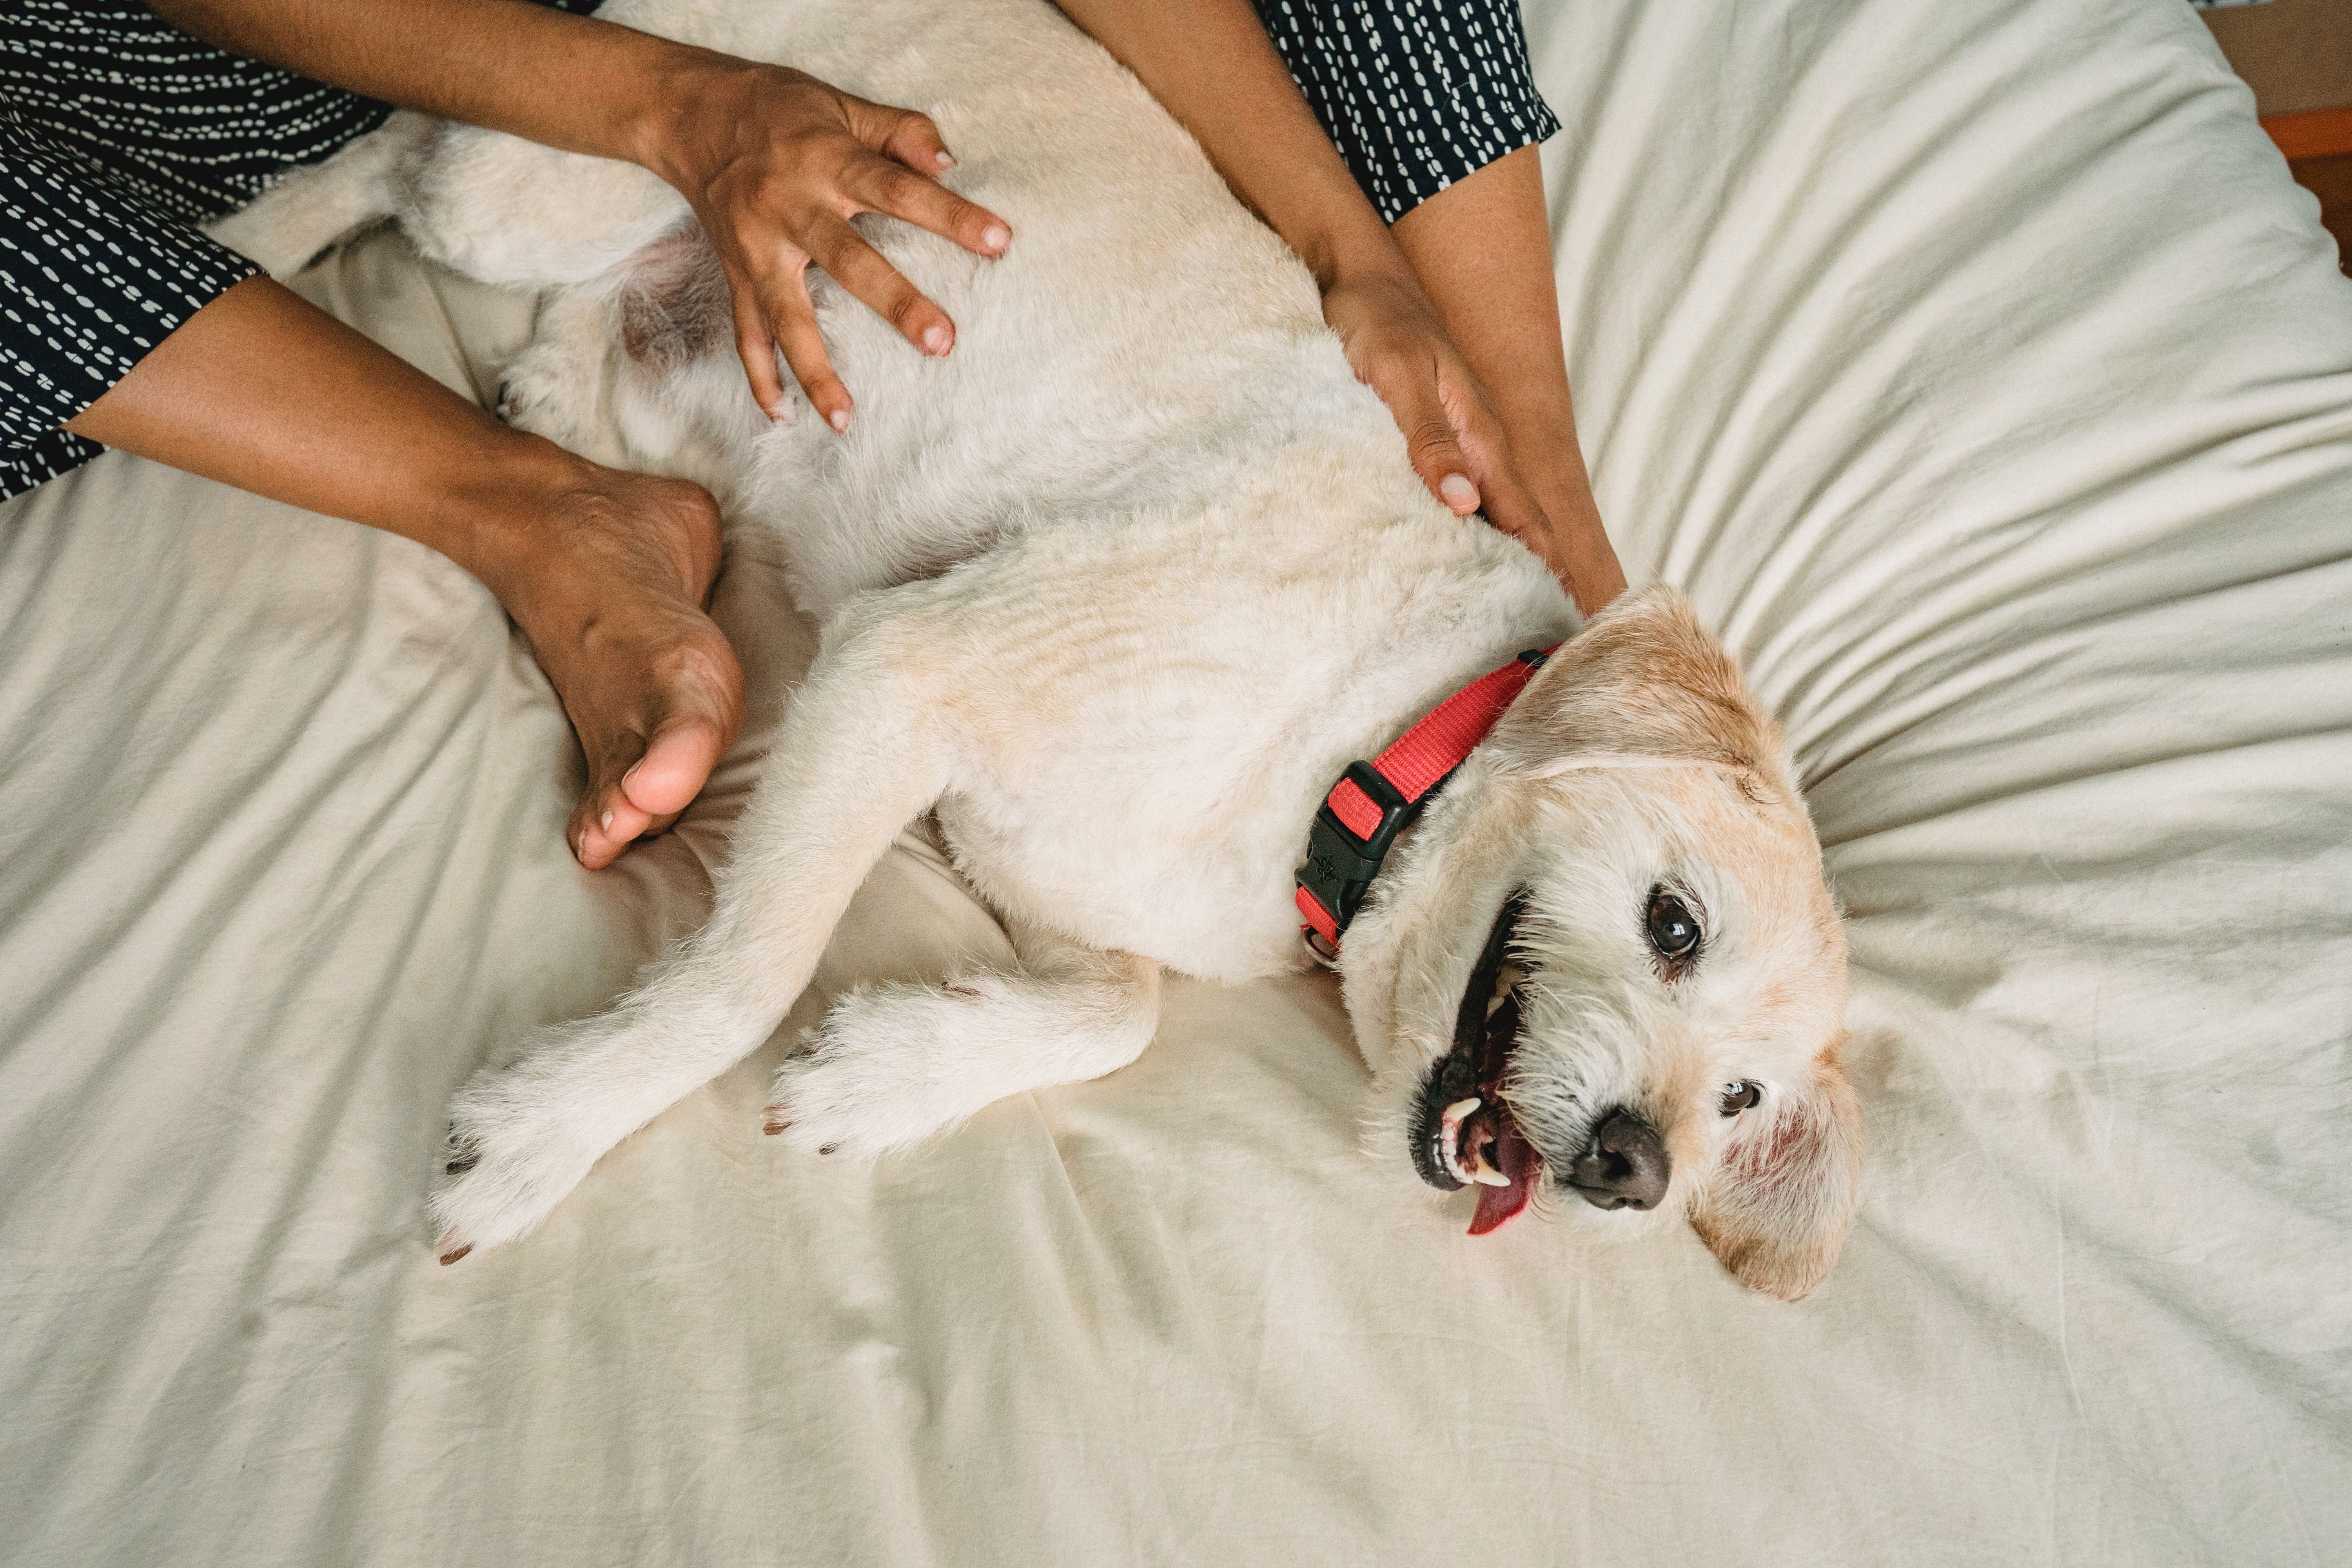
[[92, 275], [1415, 93], [117, 133]]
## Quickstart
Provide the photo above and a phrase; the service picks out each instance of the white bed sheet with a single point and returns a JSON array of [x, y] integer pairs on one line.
[[1976, 369]]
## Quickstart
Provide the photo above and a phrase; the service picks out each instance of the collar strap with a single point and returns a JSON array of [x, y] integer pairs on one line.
[[1375, 801]]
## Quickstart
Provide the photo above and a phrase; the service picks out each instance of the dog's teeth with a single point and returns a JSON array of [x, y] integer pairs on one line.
[[1449, 1136], [1485, 1175], [1506, 980]]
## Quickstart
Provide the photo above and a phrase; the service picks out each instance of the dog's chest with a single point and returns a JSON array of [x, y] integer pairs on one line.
[[1150, 740]]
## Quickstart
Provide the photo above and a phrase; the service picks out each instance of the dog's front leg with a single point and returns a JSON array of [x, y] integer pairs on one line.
[[862, 752], [895, 1064]]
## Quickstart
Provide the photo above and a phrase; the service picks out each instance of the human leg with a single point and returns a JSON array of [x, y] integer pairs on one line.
[[605, 572]]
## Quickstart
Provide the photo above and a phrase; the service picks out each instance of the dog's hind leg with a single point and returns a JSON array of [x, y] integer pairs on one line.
[[862, 752], [894, 1064], [562, 384], [504, 210], [313, 207]]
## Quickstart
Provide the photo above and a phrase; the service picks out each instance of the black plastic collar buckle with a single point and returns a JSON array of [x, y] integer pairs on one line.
[[1340, 866]]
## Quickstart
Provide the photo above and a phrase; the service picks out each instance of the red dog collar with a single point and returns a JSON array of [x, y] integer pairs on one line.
[[1373, 802]]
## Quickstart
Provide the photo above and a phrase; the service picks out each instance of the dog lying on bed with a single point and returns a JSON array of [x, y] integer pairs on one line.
[[1117, 590]]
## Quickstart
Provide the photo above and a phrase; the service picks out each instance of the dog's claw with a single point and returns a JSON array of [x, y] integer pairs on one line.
[[449, 1257]]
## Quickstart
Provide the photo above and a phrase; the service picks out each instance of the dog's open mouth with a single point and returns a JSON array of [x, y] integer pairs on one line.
[[1464, 1133]]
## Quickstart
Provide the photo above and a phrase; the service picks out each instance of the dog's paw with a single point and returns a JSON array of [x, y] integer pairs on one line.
[[893, 1065], [556, 386], [541, 395], [511, 1157]]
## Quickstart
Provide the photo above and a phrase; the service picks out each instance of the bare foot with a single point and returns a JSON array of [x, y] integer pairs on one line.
[[607, 575]]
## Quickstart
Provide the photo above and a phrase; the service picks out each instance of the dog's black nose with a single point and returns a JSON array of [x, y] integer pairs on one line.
[[1624, 1166]]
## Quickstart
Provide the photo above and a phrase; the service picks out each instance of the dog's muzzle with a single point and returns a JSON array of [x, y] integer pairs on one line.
[[1464, 1133]]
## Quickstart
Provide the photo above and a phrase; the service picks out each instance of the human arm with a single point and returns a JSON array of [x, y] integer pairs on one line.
[[1483, 249], [605, 572], [774, 162], [1428, 335]]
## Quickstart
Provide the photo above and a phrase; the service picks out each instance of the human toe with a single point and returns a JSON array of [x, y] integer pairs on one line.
[[643, 776]]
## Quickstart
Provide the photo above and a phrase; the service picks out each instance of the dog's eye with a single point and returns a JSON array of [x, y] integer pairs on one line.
[[1739, 1097], [1673, 932]]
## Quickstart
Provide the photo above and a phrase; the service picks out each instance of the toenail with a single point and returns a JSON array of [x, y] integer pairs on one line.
[[605, 822]]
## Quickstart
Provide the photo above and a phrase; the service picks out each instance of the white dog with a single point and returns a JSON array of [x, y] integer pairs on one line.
[[1117, 590]]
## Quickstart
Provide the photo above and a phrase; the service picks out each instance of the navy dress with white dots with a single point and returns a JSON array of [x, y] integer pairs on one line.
[[120, 133]]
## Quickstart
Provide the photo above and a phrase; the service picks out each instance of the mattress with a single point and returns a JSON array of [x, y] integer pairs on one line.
[[1976, 369]]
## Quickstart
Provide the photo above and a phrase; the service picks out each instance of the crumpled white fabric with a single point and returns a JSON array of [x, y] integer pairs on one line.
[[1976, 369]]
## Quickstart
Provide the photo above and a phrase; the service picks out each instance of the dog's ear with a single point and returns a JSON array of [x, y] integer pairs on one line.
[[1777, 1208], [1644, 681]]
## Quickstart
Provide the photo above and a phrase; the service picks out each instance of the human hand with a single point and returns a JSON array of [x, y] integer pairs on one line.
[[1397, 347], [775, 164]]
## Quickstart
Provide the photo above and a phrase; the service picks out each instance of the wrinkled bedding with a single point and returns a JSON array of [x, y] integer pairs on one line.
[[1976, 369]]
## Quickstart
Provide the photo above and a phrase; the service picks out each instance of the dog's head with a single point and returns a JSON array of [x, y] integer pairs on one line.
[[1605, 970]]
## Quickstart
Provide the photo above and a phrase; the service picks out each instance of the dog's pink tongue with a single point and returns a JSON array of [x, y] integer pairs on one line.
[[1517, 1160]]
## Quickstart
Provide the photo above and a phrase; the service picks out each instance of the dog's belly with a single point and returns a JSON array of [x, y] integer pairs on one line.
[[1142, 338]]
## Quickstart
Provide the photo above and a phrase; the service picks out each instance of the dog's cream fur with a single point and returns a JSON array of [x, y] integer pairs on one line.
[[1117, 590]]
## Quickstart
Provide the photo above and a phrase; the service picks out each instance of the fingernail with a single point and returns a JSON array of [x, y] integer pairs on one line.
[[996, 237], [839, 420], [935, 339], [1459, 492], [947, 160], [605, 822]]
